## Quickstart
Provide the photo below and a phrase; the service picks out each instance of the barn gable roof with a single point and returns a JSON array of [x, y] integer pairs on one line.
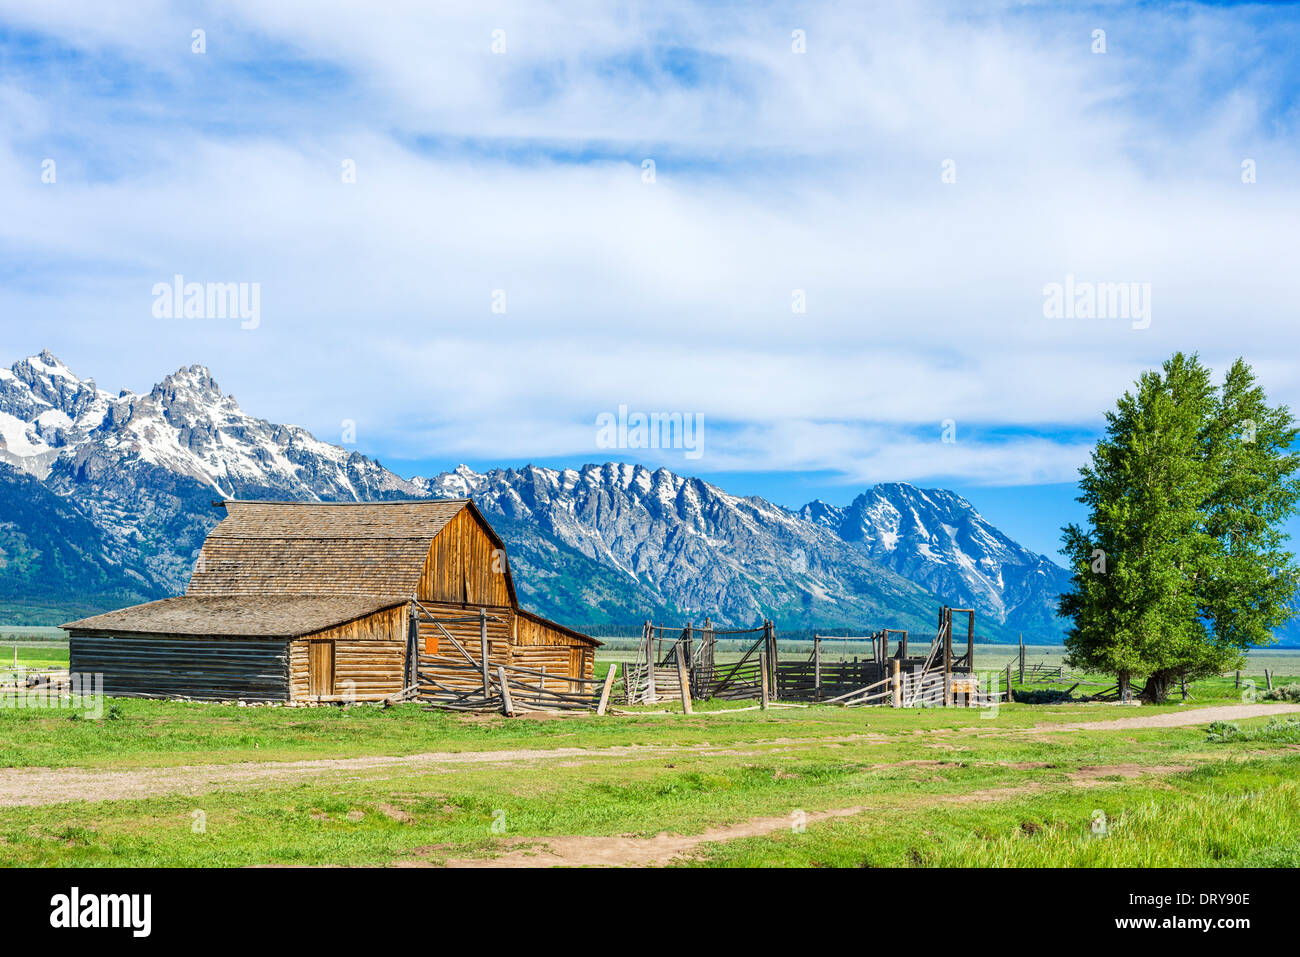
[[240, 616], [344, 548]]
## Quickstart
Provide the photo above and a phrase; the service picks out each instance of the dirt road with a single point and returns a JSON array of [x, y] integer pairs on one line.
[[600, 851], [40, 786]]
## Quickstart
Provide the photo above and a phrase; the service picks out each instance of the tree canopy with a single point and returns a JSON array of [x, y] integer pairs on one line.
[[1182, 564]]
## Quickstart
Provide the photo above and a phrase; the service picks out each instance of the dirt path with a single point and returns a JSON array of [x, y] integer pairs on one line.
[[39, 786], [1175, 719], [589, 851]]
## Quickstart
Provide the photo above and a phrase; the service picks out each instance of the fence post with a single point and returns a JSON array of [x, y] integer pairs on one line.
[[1238, 679], [970, 641], [773, 691], [483, 647], [685, 686], [947, 657], [1022, 659], [1008, 683], [898, 684], [604, 691], [762, 680], [412, 647], [507, 705], [1268, 679], [817, 668], [707, 654], [649, 696]]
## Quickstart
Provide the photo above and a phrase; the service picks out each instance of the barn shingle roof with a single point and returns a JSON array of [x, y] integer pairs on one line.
[[239, 616], [322, 548]]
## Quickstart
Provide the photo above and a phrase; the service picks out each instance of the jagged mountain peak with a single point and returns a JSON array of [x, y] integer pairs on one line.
[[44, 409], [599, 540], [192, 378]]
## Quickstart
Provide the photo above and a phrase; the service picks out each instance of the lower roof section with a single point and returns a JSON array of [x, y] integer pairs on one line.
[[241, 616]]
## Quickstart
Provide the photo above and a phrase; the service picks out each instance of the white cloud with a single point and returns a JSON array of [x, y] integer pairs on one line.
[[775, 172]]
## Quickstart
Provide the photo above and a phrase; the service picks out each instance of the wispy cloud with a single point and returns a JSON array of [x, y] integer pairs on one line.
[[774, 172]]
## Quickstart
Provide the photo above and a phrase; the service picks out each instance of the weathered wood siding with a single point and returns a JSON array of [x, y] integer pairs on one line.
[[433, 642], [369, 658], [561, 649], [189, 667], [562, 661], [462, 566]]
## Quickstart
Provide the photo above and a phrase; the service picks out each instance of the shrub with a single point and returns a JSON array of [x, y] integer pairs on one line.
[[1221, 732], [1289, 692], [1285, 731]]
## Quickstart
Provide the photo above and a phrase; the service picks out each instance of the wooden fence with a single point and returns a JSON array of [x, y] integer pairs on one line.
[[459, 681], [940, 676]]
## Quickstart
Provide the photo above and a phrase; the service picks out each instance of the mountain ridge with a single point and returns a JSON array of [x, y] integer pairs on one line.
[[604, 543]]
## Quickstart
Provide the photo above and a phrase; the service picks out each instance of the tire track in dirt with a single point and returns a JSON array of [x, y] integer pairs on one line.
[[1174, 719], [40, 786], [664, 848], [26, 787]]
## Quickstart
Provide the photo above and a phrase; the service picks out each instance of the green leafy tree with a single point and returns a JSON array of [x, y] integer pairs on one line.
[[1181, 565]]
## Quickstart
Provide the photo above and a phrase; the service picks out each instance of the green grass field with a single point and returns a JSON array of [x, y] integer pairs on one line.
[[170, 783]]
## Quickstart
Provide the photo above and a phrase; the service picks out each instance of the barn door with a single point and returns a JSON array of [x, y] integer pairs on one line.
[[576, 666], [320, 668]]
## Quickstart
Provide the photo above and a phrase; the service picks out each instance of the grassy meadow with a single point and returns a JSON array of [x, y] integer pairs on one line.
[[188, 784]]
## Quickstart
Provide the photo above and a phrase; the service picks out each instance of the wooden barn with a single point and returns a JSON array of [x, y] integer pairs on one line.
[[321, 602]]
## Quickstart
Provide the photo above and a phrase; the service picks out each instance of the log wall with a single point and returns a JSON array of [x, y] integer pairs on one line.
[[369, 658], [205, 669]]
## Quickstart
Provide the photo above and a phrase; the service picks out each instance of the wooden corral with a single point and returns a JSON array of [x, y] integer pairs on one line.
[[323, 602], [938, 677]]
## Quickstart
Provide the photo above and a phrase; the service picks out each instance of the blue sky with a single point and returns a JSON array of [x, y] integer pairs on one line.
[[502, 148]]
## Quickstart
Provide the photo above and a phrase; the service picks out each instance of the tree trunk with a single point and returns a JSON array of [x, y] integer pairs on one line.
[[1123, 682], [1158, 685]]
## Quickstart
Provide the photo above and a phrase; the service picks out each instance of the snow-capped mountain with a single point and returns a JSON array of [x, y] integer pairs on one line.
[[701, 549], [936, 538], [44, 408], [612, 543], [145, 468]]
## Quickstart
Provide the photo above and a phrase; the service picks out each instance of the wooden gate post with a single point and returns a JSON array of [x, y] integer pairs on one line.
[[412, 646], [483, 647], [762, 679], [1008, 688], [650, 697], [507, 705], [898, 684], [817, 668], [684, 685], [947, 657], [772, 666], [970, 641], [707, 658], [1022, 659], [605, 689]]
